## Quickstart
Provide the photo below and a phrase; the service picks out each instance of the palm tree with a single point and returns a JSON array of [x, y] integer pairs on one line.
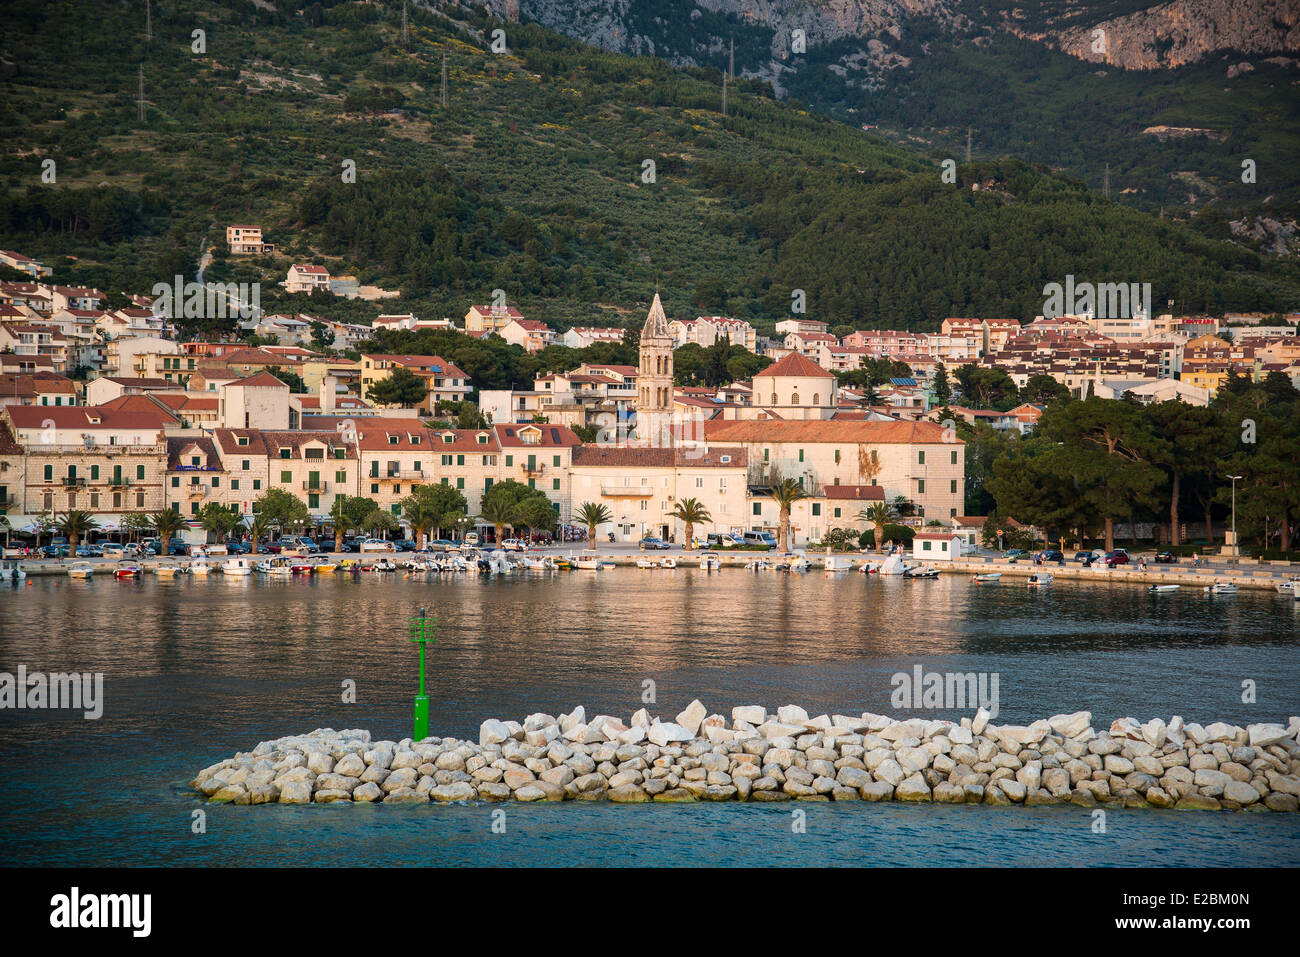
[[74, 524], [256, 530], [165, 524], [420, 516], [218, 519], [499, 513], [691, 512], [786, 494], [339, 515], [878, 515], [593, 514]]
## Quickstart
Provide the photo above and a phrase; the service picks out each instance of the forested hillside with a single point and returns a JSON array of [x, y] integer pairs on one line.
[[533, 178]]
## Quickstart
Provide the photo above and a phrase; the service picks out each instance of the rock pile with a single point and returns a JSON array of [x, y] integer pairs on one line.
[[761, 756]]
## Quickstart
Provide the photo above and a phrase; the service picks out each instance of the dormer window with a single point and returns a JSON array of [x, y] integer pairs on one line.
[[415, 439], [482, 439], [243, 440], [393, 439], [448, 437]]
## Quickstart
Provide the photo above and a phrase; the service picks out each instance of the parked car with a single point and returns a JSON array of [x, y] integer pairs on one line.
[[723, 540], [376, 545], [1166, 558], [175, 547], [54, 551], [1117, 557], [90, 551], [1051, 555], [652, 542], [404, 544], [441, 544], [471, 539], [764, 539], [1085, 555], [513, 545], [1015, 554]]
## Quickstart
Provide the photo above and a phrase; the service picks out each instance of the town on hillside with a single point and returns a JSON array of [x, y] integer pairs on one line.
[[123, 411]]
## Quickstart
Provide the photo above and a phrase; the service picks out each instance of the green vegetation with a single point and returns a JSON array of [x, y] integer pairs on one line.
[[1090, 464], [530, 181]]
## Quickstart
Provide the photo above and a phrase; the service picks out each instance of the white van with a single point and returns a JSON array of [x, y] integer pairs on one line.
[[471, 539], [764, 539]]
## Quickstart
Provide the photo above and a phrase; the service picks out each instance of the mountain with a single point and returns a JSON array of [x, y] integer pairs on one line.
[[1073, 85], [572, 178]]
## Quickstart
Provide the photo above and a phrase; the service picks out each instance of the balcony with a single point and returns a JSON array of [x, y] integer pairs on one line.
[[7, 502], [398, 476], [534, 470], [73, 482], [196, 491], [119, 481], [318, 487], [626, 491]]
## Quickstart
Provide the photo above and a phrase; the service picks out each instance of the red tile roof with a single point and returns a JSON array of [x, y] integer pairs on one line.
[[863, 493], [827, 430], [795, 365], [612, 456], [552, 436]]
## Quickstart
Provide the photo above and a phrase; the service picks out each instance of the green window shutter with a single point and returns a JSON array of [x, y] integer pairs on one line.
[[510, 460], [176, 481], [234, 485], [816, 508], [341, 476], [460, 483], [460, 460], [758, 508], [94, 473], [556, 461], [313, 500], [49, 473], [285, 477], [139, 472], [555, 484]]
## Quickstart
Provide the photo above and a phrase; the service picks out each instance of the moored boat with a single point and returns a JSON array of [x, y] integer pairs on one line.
[[1040, 580], [11, 570], [668, 562], [921, 571], [987, 578], [588, 563], [126, 570], [710, 562], [646, 563], [168, 570], [1161, 589], [1221, 588], [237, 567], [201, 566], [80, 570]]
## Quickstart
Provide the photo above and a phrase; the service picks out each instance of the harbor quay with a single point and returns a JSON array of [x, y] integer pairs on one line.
[[1244, 574], [763, 756]]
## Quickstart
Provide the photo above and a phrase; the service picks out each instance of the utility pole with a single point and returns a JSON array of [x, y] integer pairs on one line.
[[724, 94], [968, 145], [443, 94], [142, 116], [1105, 183], [731, 67], [148, 20], [406, 36]]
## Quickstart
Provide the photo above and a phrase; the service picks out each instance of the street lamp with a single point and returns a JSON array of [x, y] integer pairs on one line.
[[1234, 513]]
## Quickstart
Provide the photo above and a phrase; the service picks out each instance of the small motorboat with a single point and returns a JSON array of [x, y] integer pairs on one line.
[[323, 566], [836, 563], [710, 562], [300, 566], [238, 567], [562, 563], [987, 578], [126, 570], [646, 563], [1221, 588], [81, 570], [11, 571], [168, 570], [201, 566], [1289, 587], [1161, 589], [1040, 580], [275, 568], [869, 567], [383, 565], [921, 571], [757, 565], [668, 562], [893, 565], [585, 563], [797, 562], [606, 564]]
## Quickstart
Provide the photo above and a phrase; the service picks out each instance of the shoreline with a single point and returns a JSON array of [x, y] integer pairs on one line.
[[1261, 576], [781, 756]]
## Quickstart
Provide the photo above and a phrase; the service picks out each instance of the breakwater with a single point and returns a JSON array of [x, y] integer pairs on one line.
[[781, 756]]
